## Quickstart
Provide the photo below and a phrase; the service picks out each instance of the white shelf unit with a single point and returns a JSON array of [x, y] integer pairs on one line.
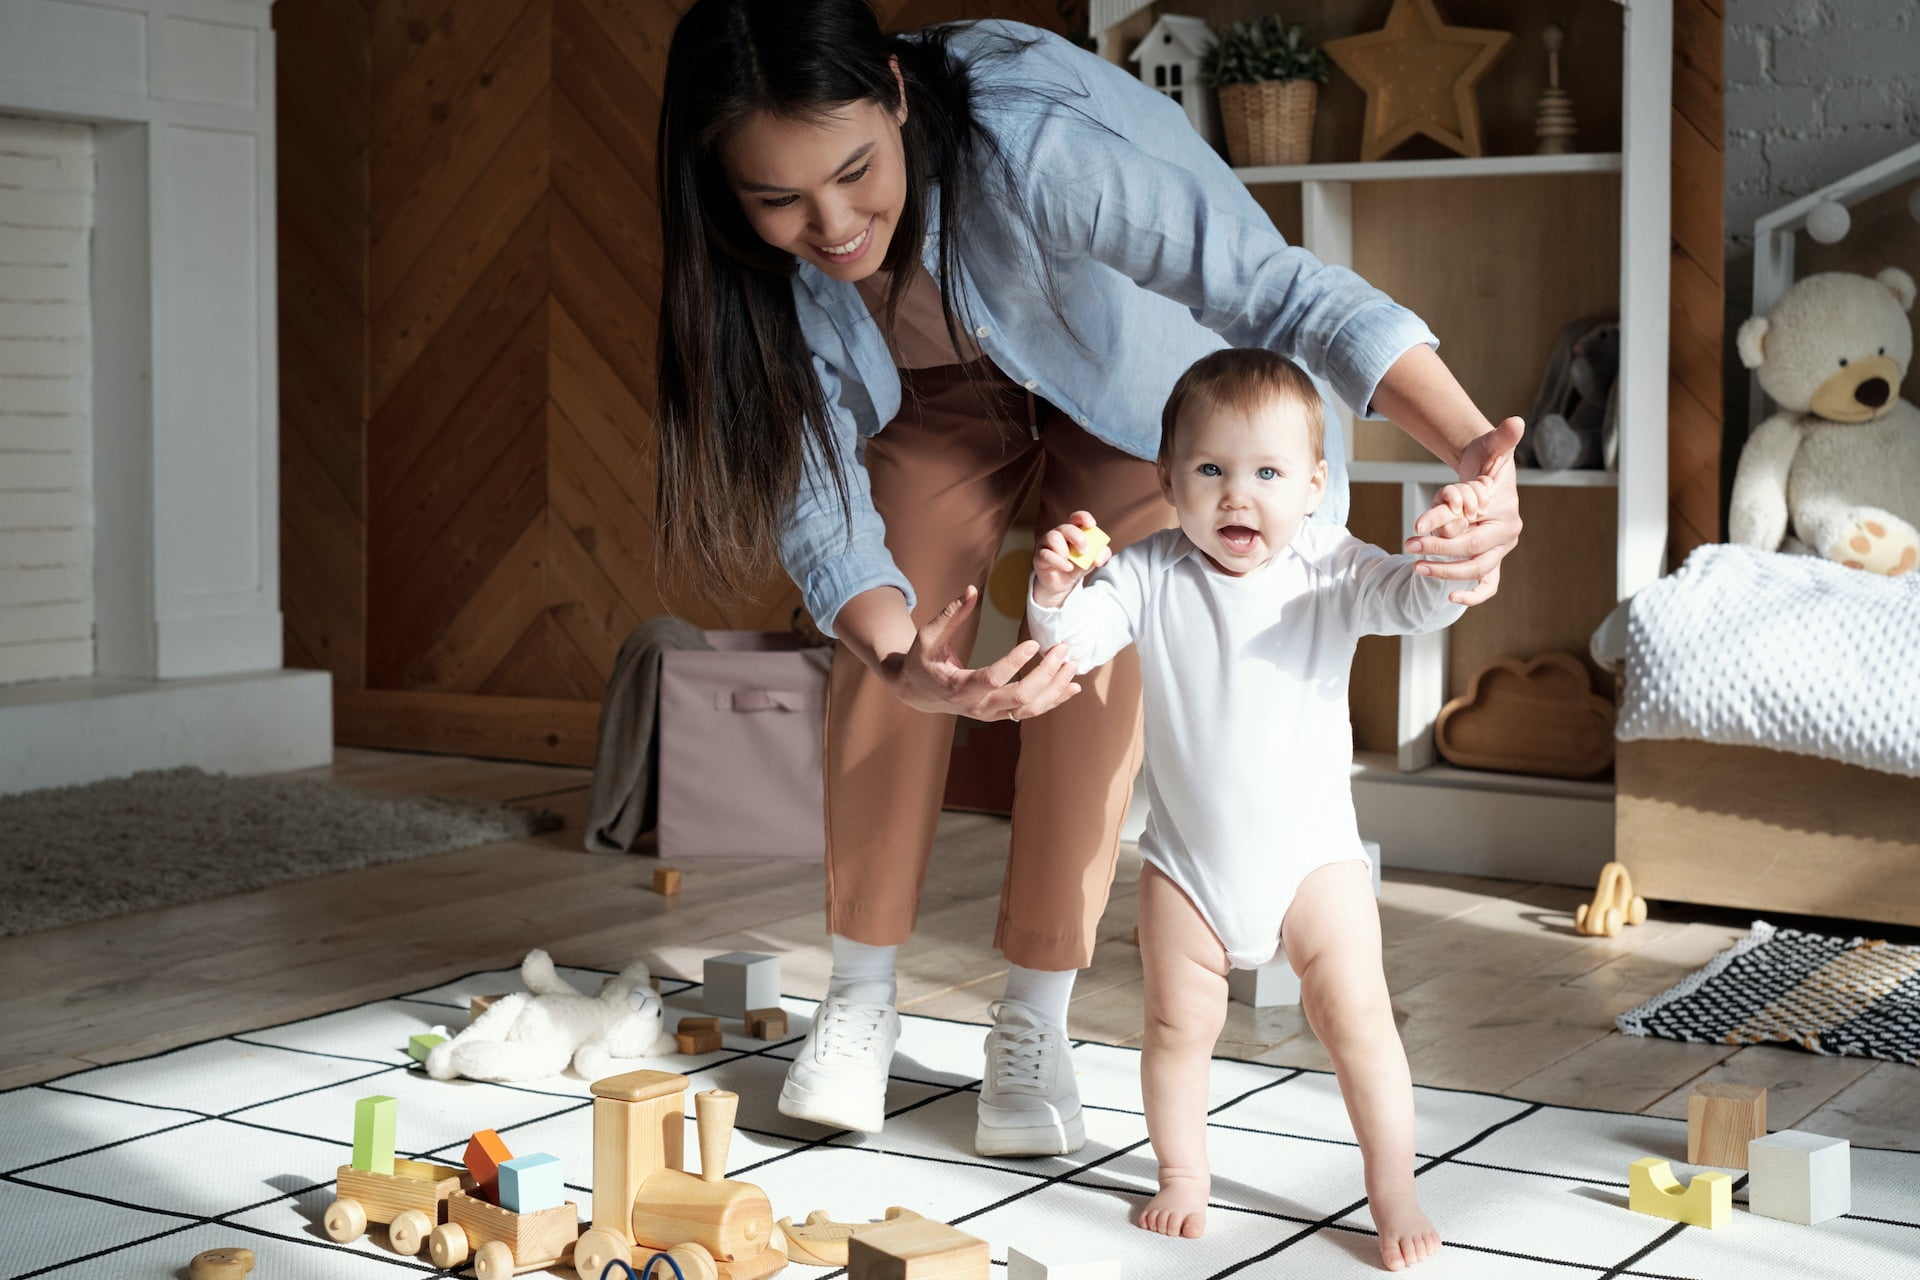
[[1424, 813]]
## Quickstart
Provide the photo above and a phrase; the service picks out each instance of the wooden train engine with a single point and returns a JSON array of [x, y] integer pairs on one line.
[[645, 1202]]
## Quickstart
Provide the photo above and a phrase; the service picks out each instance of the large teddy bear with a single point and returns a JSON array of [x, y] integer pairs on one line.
[[535, 1035], [1841, 460]]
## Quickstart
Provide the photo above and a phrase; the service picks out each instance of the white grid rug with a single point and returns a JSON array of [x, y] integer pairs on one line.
[[129, 1170]]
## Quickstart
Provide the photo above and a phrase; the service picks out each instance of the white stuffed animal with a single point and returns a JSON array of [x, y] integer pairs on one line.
[[1841, 460], [535, 1035]]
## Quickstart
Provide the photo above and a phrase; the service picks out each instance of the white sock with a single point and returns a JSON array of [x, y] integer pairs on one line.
[[1041, 992], [860, 962]]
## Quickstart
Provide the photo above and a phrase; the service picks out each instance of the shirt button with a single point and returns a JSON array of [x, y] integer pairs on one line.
[[1031, 383], [981, 332], [1082, 419]]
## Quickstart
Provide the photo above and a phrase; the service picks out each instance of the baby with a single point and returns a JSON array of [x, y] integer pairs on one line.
[[1246, 617]]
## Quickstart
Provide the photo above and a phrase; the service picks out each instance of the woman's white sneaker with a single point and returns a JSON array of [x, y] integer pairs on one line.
[[839, 1078], [1029, 1102]]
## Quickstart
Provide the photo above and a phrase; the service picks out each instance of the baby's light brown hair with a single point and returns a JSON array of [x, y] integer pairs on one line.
[[1244, 379]]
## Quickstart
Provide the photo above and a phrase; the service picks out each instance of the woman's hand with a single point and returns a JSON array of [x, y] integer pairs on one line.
[[1475, 542], [927, 676]]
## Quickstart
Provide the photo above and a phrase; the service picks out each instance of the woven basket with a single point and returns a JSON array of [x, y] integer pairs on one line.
[[1270, 122]]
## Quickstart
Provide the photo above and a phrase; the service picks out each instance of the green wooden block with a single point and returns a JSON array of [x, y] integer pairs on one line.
[[374, 1120], [418, 1047]]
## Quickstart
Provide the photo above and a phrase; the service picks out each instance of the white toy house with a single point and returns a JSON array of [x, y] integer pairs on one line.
[[1169, 59]]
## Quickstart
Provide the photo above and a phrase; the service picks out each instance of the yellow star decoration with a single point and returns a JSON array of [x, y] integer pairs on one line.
[[1419, 76]]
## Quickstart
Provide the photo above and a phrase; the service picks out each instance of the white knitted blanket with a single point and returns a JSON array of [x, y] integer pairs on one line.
[[1755, 648]]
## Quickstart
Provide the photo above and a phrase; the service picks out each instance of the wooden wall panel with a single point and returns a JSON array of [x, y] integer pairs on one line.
[[1696, 340], [323, 58]]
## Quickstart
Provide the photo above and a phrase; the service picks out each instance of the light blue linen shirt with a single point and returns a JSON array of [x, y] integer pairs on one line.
[[1159, 254]]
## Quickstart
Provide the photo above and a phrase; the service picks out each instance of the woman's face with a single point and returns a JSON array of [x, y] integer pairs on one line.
[[828, 189]]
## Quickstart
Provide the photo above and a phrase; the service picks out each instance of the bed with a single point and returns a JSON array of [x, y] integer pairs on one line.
[[1769, 738]]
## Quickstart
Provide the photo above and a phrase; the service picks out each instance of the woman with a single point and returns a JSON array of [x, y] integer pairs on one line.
[[906, 279]]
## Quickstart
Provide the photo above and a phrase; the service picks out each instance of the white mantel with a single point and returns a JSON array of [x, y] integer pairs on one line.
[[185, 395]]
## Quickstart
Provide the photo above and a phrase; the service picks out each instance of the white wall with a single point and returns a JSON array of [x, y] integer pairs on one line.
[[46, 426]]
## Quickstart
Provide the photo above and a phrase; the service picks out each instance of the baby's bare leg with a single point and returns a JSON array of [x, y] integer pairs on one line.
[[1186, 998], [1332, 933]]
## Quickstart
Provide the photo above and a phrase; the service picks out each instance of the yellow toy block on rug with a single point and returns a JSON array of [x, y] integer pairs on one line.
[[1707, 1201]]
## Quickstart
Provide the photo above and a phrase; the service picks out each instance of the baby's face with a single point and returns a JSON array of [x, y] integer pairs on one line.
[[1242, 482]]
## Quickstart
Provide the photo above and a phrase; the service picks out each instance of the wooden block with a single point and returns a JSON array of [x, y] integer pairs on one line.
[[916, 1251], [767, 1024], [484, 1155], [702, 1040], [697, 1022], [1721, 1120], [220, 1264], [666, 881], [477, 1005], [1270, 986], [1055, 1264], [374, 1121], [739, 981], [1097, 541], [529, 1183], [418, 1047], [1652, 1189], [1799, 1177]]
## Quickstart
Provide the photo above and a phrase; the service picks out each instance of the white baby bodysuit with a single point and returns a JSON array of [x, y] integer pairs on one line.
[[1248, 741]]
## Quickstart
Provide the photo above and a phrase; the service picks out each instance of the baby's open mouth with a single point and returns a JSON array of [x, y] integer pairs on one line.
[[1239, 538]]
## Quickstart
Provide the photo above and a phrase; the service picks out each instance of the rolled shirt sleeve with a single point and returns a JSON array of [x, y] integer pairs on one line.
[[832, 554]]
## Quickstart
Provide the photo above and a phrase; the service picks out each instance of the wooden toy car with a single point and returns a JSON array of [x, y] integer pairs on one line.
[[410, 1201], [500, 1241]]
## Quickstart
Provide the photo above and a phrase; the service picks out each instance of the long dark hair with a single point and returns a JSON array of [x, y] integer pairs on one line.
[[738, 397]]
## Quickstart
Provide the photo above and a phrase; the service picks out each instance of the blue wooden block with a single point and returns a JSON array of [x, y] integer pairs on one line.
[[528, 1183]]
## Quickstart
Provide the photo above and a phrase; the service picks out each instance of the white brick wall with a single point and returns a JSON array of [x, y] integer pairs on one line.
[[1815, 90], [46, 430]]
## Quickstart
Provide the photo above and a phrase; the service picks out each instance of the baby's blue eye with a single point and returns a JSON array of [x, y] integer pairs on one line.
[[1209, 468], [1267, 473]]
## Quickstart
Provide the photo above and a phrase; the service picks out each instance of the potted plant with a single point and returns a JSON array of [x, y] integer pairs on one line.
[[1268, 77]]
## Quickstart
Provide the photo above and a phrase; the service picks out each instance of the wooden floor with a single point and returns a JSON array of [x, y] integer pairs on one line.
[[1494, 990]]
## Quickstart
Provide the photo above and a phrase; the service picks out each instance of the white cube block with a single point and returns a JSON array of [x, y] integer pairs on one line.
[[739, 981], [1373, 852], [1053, 1264], [1799, 1177], [1271, 985]]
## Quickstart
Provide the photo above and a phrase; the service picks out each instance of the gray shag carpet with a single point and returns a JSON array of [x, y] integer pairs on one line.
[[69, 854]]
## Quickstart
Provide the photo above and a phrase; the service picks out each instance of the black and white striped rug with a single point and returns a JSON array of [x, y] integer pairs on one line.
[[1847, 996], [130, 1170]]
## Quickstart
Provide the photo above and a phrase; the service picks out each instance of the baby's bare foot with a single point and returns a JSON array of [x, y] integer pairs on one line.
[[1181, 1207], [1406, 1236]]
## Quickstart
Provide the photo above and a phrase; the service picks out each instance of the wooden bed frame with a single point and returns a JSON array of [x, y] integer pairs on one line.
[[1767, 830]]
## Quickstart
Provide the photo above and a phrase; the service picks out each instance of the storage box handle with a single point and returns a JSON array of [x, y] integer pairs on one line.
[[767, 700]]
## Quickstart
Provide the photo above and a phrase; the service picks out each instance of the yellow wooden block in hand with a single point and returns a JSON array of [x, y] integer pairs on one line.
[[1097, 541], [1707, 1201]]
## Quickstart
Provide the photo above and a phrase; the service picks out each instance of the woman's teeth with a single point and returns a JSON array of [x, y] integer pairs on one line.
[[842, 250]]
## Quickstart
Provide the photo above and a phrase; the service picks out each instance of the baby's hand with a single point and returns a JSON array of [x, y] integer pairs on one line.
[[1456, 507], [1055, 574]]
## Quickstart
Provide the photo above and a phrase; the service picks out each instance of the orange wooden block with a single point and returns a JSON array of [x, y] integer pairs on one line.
[[666, 881], [485, 1154]]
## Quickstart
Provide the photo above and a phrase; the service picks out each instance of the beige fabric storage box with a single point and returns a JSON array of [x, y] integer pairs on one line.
[[741, 729]]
